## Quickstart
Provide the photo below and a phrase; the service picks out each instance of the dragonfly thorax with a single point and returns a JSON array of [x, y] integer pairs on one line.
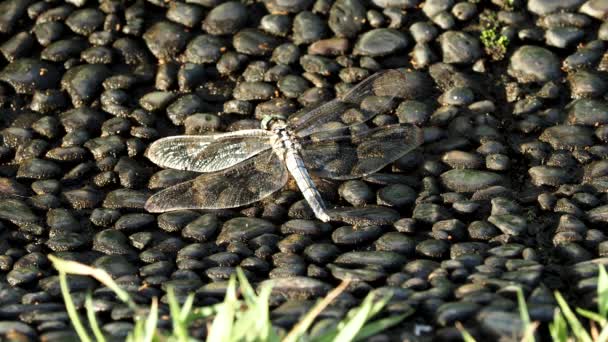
[[271, 122]]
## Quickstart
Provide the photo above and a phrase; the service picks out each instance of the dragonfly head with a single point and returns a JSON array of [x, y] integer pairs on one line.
[[269, 120]]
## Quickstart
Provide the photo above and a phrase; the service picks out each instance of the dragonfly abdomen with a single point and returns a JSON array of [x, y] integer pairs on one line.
[[296, 167]]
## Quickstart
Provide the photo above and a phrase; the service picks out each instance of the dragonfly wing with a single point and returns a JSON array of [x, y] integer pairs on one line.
[[208, 153], [373, 96], [361, 154], [239, 185]]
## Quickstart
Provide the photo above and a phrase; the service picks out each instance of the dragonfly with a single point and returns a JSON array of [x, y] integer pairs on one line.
[[334, 140]]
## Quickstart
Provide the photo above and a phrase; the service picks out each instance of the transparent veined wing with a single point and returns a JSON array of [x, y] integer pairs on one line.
[[373, 96], [208, 153], [359, 154], [242, 184]]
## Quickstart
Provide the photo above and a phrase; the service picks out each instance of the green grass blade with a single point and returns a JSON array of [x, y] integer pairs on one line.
[[186, 308], [88, 303], [602, 291], [73, 267], [591, 315], [352, 326], [221, 328], [466, 337], [300, 328], [577, 328], [528, 335], [523, 307], [603, 336], [151, 321], [558, 329], [71, 309], [245, 287], [380, 325], [179, 330]]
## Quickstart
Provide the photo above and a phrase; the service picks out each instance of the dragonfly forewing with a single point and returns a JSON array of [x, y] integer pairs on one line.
[[359, 154], [374, 95], [208, 153], [243, 184]]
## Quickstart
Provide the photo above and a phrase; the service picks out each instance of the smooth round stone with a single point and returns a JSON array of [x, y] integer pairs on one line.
[[462, 160], [588, 112], [497, 162], [318, 65], [292, 86], [321, 253], [534, 64], [598, 215], [464, 10], [452, 230], [549, 175], [467, 180], [482, 230], [542, 7], [402, 4], [134, 222], [202, 123], [63, 50], [8, 327], [430, 213], [294, 243], [396, 242], [85, 21], [346, 17], [449, 313], [38, 169], [111, 241], [595, 8], [434, 7], [254, 42], [125, 198], [509, 224], [276, 24], [166, 39], [457, 96], [567, 137], [369, 215], [308, 28], [244, 229], [356, 192], [16, 211], [296, 288], [204, 49], [349, 235], [562, 37], [423, 32], [305, 227], [500, 323], [413, 112], [248, 91], [186, 14], [459, 47], [396, 195], [584, 84], [380, 42], [287, 6], [26, 75], [84, 82], [226, 18], [115, 265], [329, 47], [184, 106], [433, 248], [176, 220], [48, 100], [385, 259]]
